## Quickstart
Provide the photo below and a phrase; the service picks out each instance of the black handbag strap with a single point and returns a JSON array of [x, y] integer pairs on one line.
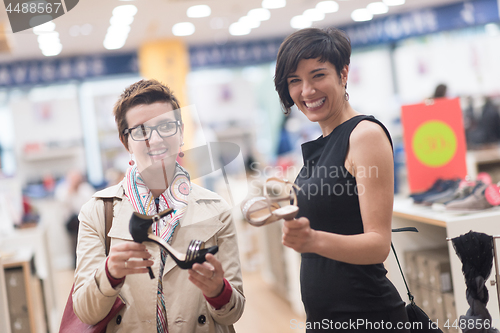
[[413, 229], [108, 221]]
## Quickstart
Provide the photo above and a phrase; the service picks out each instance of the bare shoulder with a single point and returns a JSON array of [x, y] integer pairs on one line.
[[368, 132], [368, 139]]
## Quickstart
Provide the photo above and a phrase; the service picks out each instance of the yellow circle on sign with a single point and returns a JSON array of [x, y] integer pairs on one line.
[[434, 143]]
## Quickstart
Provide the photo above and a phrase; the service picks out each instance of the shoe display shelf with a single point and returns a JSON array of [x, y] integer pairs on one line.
[[434, 227], [16, 248]]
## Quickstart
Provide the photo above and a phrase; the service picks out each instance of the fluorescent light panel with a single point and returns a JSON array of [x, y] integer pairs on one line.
[[273, 4], [376, 8], [361, 15], [327, 7], [198, 11], [183, 29]]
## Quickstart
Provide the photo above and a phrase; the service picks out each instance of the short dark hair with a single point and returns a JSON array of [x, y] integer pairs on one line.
[[330, 44], [142, 92]]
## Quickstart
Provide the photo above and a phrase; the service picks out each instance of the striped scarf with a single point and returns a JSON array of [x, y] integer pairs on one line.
[[176, 197]]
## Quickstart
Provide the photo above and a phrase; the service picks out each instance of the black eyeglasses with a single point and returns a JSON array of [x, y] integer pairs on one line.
[[143, 132]]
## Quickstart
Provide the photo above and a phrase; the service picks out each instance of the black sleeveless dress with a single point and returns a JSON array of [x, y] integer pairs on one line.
[[334, 292]]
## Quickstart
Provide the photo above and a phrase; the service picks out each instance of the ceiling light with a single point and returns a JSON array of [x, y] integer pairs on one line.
[[394, 2], [183, 29], [86, 29], [313, 15], [74, 31], [360, 15], [199, 11], [273, 4], [327, 7], [300, 22], [113, 44], [125, 10], [121, 20], [53, 50], [249, 22], [43, 28], [377, 8], [261, 14], [238, 29]]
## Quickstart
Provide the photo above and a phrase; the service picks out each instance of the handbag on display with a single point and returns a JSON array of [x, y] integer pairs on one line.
[[70, 323], [420, 321]]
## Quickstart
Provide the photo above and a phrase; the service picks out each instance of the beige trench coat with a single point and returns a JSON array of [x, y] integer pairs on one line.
[[207, 218]]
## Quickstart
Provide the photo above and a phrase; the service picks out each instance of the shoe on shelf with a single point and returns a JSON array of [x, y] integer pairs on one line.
[[439, 187], [475, 201], [141, 231], [263, 210]]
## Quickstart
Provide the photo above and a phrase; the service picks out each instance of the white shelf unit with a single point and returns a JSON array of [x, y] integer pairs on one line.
[[434, 227]]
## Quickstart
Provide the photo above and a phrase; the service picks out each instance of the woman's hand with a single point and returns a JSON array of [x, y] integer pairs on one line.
[[209, 276], [119, 263], [298, 235]]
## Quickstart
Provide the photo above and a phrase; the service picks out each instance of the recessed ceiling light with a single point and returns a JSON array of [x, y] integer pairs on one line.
[[394, 2], [327, 7], [125, 10], [362, 14], [121, 20], [261, 14], [74, 31], [199, 11], [183, 29], [86, 29], [238, 29], [377, 8], [273, 4], [313, 15], [249, 22], [43, 28], [300, 22]]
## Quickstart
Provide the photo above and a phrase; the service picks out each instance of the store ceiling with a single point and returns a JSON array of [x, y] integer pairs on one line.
[[155, 18]]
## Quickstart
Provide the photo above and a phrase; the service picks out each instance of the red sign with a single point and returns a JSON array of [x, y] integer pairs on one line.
[[434, 141]]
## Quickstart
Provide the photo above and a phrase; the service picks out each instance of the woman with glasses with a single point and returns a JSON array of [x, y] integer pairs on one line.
[[209, 296]]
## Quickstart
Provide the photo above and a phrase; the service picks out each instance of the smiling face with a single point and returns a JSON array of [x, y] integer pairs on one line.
[[149, 154], [318, 91]]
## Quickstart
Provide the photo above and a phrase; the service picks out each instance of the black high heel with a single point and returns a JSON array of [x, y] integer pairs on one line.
[[140, 229]]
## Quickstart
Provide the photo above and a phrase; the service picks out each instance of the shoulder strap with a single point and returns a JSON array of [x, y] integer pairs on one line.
[[410, 296], [108, 221]]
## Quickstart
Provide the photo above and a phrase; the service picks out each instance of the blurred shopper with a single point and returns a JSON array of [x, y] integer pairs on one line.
[[440, 91], [343, 228], [208, 297], [73, 192]]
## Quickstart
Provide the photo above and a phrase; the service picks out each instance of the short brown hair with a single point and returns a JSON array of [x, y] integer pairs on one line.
[[328, 44], [142, 92]]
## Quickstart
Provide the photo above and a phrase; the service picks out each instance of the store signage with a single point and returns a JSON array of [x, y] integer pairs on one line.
[[64, 69], [396, 27], [234, 54], [434, 140]]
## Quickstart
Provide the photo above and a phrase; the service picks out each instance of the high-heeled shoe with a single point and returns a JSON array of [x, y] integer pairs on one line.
[[259, 211], [140, 229]]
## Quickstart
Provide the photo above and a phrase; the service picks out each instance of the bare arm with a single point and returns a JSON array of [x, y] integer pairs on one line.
[[370, 154]]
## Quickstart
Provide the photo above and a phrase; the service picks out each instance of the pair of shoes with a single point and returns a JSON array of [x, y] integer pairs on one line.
[[259, 211], [141, 231], [458, 191], [438, 187], [475, 201]]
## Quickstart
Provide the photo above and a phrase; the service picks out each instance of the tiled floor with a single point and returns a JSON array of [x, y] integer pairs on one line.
[[265, 311]]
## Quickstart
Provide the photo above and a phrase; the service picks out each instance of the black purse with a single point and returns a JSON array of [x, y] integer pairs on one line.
[[421, 322]]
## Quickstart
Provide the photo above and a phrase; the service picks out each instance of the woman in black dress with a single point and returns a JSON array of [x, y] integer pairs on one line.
[[343, 228]]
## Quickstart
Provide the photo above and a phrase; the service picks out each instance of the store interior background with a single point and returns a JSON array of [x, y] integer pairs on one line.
[[50, 128]]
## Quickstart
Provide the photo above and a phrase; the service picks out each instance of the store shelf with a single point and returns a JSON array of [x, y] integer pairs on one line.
[[51, 154]]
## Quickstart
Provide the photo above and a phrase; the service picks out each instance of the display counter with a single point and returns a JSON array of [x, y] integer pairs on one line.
[[435, 227]]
